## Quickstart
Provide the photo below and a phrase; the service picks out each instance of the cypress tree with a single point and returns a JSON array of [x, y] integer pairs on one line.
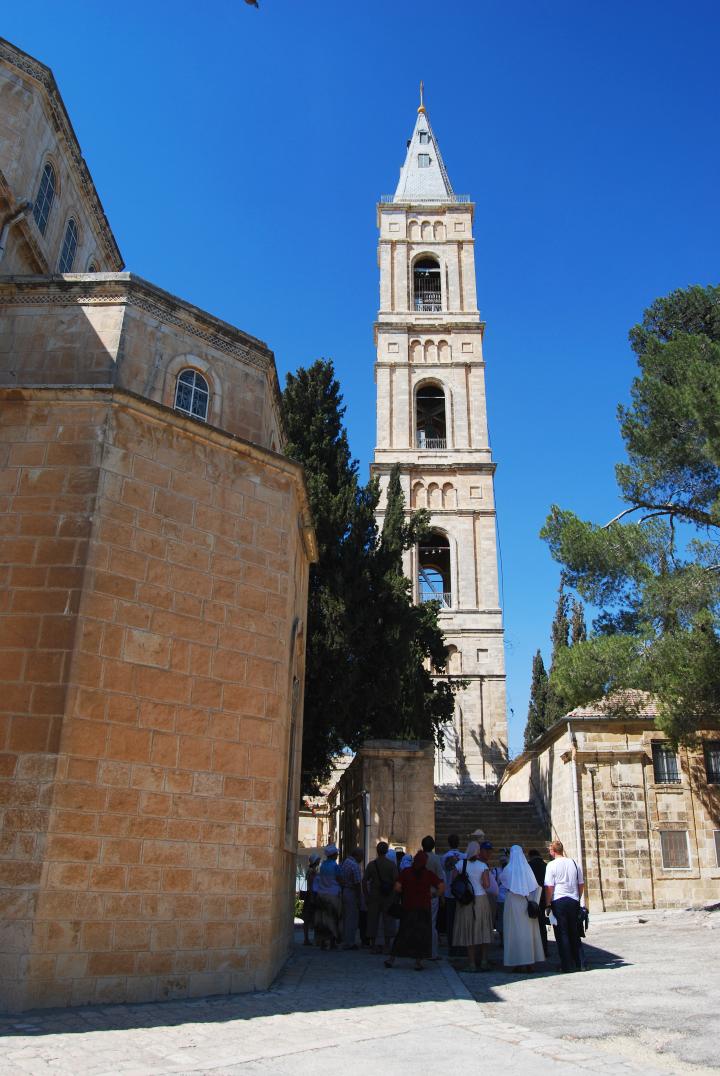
[[536, 719], [368, 648], [560, 637], [578, 628]]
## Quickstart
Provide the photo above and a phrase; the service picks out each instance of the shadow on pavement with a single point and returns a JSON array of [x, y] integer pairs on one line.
[[311, 981]]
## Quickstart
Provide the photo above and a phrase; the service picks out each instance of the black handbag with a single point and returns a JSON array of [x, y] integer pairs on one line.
[[533, 908], [395, 909]]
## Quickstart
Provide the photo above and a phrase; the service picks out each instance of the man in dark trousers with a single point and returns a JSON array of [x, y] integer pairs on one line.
[[537, 866], [564, 884]]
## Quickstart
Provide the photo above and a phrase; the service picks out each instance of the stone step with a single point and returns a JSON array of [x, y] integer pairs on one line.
[[502, 823]]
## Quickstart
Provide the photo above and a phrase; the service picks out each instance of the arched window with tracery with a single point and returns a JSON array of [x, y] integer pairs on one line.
[[192, 394], [69, 247], [45, 198], [427, 294], [434, 570], [430, 425]]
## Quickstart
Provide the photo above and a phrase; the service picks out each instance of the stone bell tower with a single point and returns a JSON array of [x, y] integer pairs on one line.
[[432, 421]]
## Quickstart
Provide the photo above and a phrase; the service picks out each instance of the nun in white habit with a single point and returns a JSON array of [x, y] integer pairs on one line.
[[521, 934]]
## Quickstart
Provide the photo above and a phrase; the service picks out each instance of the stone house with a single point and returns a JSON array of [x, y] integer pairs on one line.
[[155, 550], [643, 820]]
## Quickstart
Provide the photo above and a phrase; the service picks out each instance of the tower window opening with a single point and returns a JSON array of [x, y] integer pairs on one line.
[[423, 160], [426, 285], [430, 417], [192, 394], [69, 247], [424, 138], [434, 570], [45, 198]]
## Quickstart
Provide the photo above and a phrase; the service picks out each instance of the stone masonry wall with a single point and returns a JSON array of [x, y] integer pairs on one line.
[[155, 570]]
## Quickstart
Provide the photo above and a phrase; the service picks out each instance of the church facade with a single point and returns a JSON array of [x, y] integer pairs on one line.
[[432, 422]]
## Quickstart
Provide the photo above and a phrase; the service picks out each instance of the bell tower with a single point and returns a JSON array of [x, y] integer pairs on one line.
[[432, 421]]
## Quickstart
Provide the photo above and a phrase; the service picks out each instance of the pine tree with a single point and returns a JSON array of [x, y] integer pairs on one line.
[[536, 719]]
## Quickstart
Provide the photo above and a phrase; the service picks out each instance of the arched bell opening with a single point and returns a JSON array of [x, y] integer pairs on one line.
[[427, 290], [434, 570], [430, 423]]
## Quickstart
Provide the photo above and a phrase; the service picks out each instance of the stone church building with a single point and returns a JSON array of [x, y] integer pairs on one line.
[[155, 548], [432, 422]]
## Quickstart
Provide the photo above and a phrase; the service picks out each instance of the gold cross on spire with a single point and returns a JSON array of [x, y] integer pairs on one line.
[[422, 91]]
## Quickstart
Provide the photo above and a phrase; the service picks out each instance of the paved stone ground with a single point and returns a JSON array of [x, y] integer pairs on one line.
[[650, 994], [645, 1011]]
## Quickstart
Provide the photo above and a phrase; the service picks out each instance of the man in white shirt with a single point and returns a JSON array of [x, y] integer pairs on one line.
[[564, 884]]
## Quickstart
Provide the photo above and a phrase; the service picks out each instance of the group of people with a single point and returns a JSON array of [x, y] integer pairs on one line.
[[398, 904]]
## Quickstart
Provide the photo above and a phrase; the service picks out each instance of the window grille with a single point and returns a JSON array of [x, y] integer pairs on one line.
[[712, 761], [69, 247], [45, 197], [192, 394], [675, 851], [423, 160], [665, 765]]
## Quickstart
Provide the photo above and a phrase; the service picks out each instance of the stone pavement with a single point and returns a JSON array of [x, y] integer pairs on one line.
[[346, 1005]]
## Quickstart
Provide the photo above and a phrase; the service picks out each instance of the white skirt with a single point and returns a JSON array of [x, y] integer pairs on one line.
[[521, 934]]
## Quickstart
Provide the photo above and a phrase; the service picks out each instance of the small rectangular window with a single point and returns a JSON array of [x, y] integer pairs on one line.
[[423, 160], [712, 761], [424, 138], [665, 765], [675, 852], [717, 847]]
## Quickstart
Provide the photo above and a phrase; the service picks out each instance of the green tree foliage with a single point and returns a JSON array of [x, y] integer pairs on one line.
[[368, 648], [654, 571], [578, 627], [536, 722], [560, 639]]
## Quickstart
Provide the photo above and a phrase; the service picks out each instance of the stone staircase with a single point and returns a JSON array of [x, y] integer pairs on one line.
[[503, 823]]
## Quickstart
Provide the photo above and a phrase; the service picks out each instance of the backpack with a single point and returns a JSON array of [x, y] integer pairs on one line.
[[462, 888]]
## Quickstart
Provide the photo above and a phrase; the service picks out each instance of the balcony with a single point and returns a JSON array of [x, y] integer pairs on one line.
[[443, 597], [434, 444], [430, 303]]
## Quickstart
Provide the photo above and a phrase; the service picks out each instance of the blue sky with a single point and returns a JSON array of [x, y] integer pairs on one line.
[[240, 153]]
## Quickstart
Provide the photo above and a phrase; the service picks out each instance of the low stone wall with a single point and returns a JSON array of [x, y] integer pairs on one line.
[[398, 778]]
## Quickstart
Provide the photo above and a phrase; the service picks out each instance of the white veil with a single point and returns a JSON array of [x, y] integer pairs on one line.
[[518, 877]]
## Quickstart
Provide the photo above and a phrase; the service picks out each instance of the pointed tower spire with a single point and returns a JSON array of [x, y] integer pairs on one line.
[[423, 177]]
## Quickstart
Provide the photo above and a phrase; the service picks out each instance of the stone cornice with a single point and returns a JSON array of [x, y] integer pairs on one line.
[[198, 431], [60, 119], [127, 289]]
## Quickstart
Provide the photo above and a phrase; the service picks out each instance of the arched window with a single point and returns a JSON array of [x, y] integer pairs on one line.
[[454, 661], [414, 229], [192, 394], [444, 351], [426, 285], [69, 247], [449, 495], [92, 268], [434, 570], [438, 230], [45, 197], [416, 351], [430, 417], [427, 230]]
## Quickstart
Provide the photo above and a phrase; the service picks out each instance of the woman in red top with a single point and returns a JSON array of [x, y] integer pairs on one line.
[[414, 937]]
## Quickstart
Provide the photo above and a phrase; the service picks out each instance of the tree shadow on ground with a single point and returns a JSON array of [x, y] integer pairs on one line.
[[311, 981]]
